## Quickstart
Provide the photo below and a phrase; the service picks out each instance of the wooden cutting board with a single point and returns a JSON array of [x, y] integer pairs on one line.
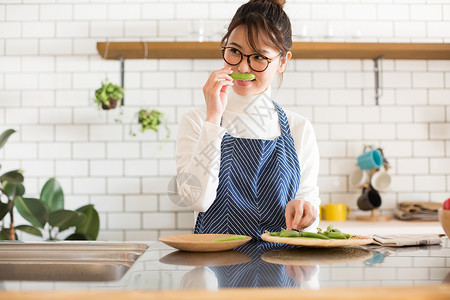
[[354, 240]]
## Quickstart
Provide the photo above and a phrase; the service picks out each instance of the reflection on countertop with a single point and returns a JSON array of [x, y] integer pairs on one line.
[[261, 264]]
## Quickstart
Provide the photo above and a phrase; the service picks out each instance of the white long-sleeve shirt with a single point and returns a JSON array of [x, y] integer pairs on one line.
[[199, 142]]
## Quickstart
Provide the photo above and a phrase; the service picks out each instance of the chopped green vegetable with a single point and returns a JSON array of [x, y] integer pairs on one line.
[[314, 235], [272, 233], [330, 233], [336, 235], [289, 233], [230, 238]]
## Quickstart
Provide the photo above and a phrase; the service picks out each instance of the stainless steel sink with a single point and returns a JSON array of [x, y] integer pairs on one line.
[[67, 261]]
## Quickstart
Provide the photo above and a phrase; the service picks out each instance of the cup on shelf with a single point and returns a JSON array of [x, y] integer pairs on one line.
[[381, 180], [359, 177], [369, 199], [370, 159], [336, 212]]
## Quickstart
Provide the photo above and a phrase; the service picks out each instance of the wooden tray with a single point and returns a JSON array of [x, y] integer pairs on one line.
[[354, 240], [201, 242], [307, 256]]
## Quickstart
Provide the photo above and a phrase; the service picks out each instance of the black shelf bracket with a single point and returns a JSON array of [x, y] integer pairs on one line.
[[378, 72], [122, 77]]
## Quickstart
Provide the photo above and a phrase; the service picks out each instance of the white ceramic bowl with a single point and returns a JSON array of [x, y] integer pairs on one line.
[[444, 218]]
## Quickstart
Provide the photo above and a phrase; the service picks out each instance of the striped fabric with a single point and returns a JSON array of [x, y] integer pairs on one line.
[[256, 180], [256, 272]]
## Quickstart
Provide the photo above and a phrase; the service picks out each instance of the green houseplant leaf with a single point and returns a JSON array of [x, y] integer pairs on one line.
[[13, 189], [63, 219], [5, 136], [91, 224], [29, 229], [12, 176], [5, 208], [53, 195], [33, 210]]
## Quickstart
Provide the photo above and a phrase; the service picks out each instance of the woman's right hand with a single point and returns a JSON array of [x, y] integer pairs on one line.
[[215, 91]]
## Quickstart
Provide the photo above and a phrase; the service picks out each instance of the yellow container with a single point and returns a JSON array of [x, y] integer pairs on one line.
[[336, 212]]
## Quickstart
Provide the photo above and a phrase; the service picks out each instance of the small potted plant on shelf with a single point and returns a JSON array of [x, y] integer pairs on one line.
[[108, 95], [150, 120]]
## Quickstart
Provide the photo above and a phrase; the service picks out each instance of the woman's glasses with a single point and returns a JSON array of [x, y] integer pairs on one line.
[[256, 62]]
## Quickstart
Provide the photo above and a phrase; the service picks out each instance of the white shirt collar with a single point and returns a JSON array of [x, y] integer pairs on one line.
[[238, 103]]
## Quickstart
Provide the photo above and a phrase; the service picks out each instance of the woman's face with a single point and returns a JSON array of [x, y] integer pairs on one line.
[[238, 39]]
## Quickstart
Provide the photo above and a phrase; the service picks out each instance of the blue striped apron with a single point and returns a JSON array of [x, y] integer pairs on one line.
[[257, 272], [257, 178]]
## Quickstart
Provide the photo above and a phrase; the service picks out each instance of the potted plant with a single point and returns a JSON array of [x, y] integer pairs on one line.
[[108, 95], [47, 213], [44, 213], [150, 120]]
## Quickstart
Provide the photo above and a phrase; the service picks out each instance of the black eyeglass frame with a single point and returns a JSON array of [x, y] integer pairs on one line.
[[268, 59]]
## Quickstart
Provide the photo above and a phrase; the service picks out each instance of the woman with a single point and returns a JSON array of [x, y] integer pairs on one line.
[[243, 163]]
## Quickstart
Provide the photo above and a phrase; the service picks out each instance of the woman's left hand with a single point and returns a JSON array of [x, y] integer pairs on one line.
[[299, 214]]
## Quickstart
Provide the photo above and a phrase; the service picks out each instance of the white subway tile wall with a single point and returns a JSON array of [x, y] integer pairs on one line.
[[50, 68]]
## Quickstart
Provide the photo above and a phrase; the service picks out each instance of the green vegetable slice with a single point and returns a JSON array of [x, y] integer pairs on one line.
[[289, 233], [230, 238], [314, 235], [239, 76], [336, 235]]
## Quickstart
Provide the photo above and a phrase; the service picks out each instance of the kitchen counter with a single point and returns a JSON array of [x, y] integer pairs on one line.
[[260, 270]]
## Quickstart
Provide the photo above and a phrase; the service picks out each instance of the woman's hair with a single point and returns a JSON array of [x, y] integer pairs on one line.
[[266, 16]]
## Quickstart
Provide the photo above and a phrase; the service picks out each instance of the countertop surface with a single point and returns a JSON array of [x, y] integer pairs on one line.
[[265, 265]]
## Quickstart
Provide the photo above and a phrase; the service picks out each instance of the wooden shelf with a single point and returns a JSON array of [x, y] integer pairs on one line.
[[300, 50]]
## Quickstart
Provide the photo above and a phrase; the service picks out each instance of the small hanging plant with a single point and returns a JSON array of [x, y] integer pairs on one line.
[[151, 120], [108, 95]]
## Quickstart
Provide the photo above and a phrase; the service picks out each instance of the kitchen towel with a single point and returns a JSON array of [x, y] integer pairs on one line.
[[416, 210], [400, 240]]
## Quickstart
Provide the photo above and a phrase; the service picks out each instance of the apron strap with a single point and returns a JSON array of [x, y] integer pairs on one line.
[[284, 124]]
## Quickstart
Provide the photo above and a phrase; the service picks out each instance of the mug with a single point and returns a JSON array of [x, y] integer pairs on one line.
[[370, 159], [359, 177], [370, 199], [336, 212], [381, 180]]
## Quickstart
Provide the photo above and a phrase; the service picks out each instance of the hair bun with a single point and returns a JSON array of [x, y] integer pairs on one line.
[[279, 2], [276, 2]]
